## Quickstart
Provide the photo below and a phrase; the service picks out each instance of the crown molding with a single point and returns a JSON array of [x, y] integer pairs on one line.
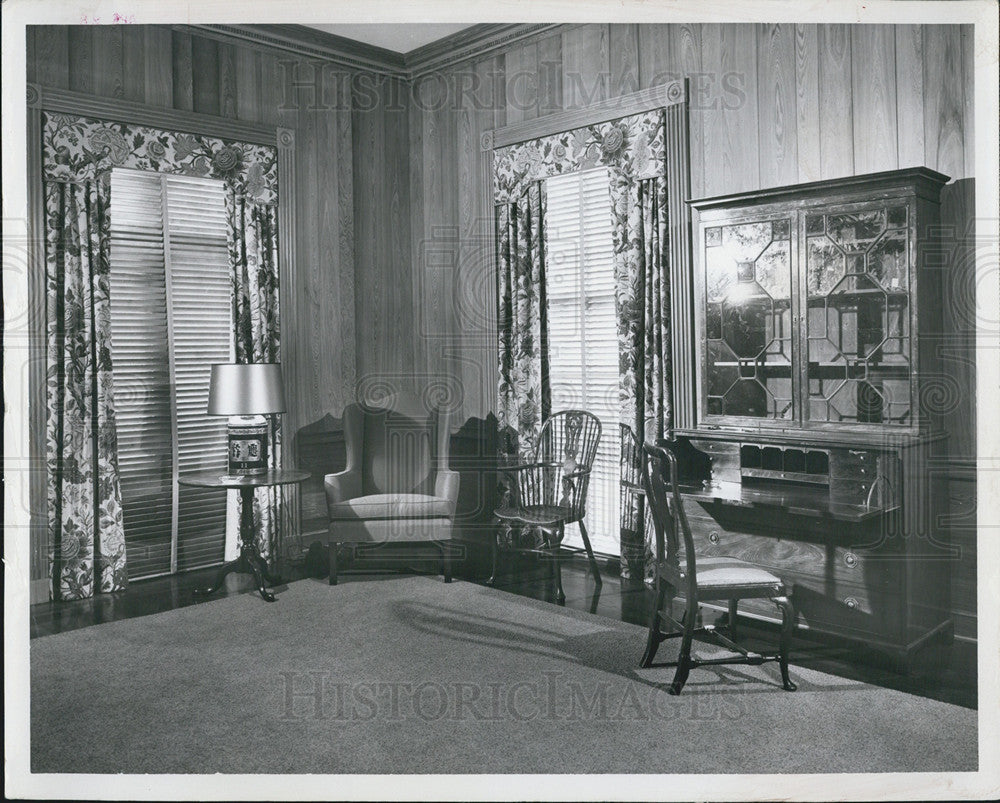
[[473, 42]]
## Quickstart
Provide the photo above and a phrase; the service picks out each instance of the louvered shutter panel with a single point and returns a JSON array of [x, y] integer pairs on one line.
[[583, 340], [171, 319], [201, 322], [140, 361]]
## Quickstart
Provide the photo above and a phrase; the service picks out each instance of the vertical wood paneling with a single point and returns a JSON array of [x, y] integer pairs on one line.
[[731, 138], [432, 286], [586, 66], [205, 74], [836, 101], [969, 84], [686, 59], [368, 275], [623, 53], [271, 88], [134, 62], [81, 56], [320, 294], [247, 66], [342, 372], [776, 98], [944, 100], [158, 66], [550, 89], [108, 61], [874, 83], [417, 227], [227, 80], [31, 47], [51, 55], [183, 79], [398, 259], [910, 94], [656, 62], [522, 83], [443, 239], [807, 102]]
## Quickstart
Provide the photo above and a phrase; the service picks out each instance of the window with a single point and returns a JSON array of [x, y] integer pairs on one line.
[[171, 319], [583, 339]]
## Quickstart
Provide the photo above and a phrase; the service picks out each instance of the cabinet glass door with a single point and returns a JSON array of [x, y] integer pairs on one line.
[[748, 320], [858, 316]]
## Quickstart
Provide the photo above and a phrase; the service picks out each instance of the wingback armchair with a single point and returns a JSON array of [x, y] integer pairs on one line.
[[397, 487]]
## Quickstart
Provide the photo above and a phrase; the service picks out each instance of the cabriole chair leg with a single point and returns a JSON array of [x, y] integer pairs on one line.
[[653, 639], [684, 660], [787, 625]]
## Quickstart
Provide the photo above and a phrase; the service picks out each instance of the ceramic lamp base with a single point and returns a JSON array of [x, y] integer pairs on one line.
[[247, 446]]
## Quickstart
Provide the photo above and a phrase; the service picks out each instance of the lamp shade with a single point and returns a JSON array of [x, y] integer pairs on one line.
[[254, 389]]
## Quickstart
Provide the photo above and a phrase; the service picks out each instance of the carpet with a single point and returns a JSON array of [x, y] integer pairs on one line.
[[409, 675]]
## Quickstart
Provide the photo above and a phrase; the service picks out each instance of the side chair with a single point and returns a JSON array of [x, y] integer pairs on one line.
[[700, 579]]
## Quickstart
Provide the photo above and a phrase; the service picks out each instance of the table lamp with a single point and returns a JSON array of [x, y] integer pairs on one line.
[[246, 393]]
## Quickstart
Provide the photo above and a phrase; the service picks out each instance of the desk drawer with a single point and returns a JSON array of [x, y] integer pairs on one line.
[[846, 559]]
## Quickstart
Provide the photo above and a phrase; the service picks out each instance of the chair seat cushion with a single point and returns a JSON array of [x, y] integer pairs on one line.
[[715, 573], [534, 515], [392, 506]]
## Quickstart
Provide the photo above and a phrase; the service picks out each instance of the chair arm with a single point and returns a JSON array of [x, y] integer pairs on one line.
[[343, 486], [446, 486]]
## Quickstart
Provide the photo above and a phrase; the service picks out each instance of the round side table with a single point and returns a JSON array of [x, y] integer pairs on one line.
[[249, 560]]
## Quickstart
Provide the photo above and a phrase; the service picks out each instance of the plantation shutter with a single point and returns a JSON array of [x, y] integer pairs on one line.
[[583, 340], [171, 313]]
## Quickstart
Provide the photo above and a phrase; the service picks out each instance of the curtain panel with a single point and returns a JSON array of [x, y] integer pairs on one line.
[[642, 302], [86, 535], [523, 401], [633, 151], [253, 253], [85, 519]]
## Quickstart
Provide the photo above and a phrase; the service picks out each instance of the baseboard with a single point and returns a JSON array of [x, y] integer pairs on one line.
[[38, 592]]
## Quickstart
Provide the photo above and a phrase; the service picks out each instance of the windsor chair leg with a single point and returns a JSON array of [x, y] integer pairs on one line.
[[590, 553]]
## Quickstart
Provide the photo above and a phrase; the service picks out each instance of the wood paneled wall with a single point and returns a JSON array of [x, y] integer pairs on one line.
[[770, 105]]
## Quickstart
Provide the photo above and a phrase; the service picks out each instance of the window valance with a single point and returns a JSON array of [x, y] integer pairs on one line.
[[79, 149], [631, 146]]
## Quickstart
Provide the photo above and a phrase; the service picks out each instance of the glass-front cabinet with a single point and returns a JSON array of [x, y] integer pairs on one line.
[[809, 300], [817, 323]]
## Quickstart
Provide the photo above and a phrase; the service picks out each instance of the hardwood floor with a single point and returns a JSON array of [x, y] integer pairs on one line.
[[942, 672]]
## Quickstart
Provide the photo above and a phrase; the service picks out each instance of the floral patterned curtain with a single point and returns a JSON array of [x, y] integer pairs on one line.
[[253, 253], [632, 149], [86, 536], [86, 530], [642, 303], [523, 397]]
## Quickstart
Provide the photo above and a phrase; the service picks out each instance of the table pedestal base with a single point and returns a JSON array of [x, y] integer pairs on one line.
[[249, 560]]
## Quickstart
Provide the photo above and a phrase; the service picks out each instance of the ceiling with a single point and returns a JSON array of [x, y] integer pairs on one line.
[[401, 38]]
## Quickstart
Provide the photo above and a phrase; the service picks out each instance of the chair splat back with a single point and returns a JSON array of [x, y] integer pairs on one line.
[[569, 438], [669, 520], [569, 435]]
